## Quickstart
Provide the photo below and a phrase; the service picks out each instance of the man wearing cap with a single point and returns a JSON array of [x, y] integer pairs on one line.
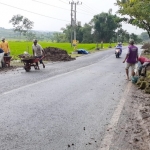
[[38, 51], [4, 46], [131, 58]]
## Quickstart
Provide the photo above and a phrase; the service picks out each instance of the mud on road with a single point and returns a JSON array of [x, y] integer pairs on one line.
[[133, 132]]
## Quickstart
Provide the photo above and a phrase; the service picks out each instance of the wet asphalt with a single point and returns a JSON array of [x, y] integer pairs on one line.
[[66, 106]]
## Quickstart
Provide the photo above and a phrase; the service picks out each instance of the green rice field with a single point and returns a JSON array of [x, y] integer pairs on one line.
[[18, 47]]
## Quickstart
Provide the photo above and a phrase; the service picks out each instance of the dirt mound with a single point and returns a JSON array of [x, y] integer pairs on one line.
[[56, 54], [146, 48]]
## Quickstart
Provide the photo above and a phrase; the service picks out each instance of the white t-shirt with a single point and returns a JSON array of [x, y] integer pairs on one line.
[[37, 50]]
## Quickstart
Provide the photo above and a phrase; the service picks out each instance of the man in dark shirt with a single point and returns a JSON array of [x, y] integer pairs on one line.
[[131, 58]]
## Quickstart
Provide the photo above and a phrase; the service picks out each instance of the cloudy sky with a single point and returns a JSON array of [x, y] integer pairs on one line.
[[51, 15]]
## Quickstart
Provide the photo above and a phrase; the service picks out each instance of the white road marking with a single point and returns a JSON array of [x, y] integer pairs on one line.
[[51, 78], [105, 145]]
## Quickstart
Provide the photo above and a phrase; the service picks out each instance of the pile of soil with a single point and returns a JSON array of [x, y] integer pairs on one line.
[[146, 48], [144, 82], [56, 54]]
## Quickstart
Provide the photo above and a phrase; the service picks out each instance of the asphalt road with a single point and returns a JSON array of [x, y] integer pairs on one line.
[[67, 105]]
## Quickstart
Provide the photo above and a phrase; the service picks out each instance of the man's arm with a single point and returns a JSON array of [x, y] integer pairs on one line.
[[137, 57], [33, 51], [43, 53], [8, 47], [127, 55], [126, 58]]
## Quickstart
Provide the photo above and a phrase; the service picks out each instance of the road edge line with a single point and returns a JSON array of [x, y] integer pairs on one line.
[[107, 140]]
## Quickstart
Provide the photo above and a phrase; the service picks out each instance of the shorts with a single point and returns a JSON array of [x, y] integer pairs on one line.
[[128, 65], [41, 62]]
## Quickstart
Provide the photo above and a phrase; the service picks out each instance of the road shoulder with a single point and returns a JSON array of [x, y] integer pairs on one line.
[[133, 129]]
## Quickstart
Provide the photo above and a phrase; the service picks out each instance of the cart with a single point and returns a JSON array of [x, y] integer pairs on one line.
[[29, 62], [7, 60]]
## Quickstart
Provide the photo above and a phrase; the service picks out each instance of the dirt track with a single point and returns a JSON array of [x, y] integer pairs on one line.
[[133, 131]]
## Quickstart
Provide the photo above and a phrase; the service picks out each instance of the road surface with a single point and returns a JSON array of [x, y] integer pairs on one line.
[[66, 106]]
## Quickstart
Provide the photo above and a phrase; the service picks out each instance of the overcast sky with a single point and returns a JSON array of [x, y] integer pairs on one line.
[[55, 14]]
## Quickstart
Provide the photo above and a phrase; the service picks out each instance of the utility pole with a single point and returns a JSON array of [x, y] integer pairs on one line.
[[75, 14], [74, 18], [72, 3]]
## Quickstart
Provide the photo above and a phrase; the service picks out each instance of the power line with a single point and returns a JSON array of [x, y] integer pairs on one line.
[[88, 5], [33, 12], [63, 2], [51, 5], [89, 8], [59, 7], [86, 11]]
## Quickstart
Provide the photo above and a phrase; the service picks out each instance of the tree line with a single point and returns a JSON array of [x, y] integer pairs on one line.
[[104, 27]]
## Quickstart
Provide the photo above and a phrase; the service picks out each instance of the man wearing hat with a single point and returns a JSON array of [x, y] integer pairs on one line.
[[5, 47], [38, 51]]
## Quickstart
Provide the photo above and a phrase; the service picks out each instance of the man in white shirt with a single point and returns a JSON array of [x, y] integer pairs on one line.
[[38, 51]]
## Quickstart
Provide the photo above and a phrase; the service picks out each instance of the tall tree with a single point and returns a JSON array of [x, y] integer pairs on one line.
[[87, 33], [138, 12], [67, 31], [21, 24], [105, 25], [144, 36]]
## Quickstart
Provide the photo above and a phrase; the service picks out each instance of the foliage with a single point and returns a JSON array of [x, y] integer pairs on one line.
[[30, 36], [144, 36], [138, 12], [135, 38], [58, 37], [21, 24], [87, 34], [104, 25]]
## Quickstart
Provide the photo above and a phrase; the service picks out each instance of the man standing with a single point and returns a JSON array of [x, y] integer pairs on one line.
[[38, 51], [4, 45], [131, 58]]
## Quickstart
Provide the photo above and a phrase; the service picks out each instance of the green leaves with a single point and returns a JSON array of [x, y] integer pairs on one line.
[[138, 12], [21, 24], [105, 25]]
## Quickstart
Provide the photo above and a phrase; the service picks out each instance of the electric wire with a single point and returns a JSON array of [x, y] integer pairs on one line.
[[88, 5], [63, 1], [79, 8], [89, 8], [33, 12], [59, 7]]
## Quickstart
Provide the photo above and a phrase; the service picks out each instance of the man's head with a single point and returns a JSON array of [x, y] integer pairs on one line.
[[131, 42], [35, 41], [3, 39], [119, 43]]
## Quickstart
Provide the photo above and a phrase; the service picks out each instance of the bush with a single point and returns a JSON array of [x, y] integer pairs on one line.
[[146, 46]]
